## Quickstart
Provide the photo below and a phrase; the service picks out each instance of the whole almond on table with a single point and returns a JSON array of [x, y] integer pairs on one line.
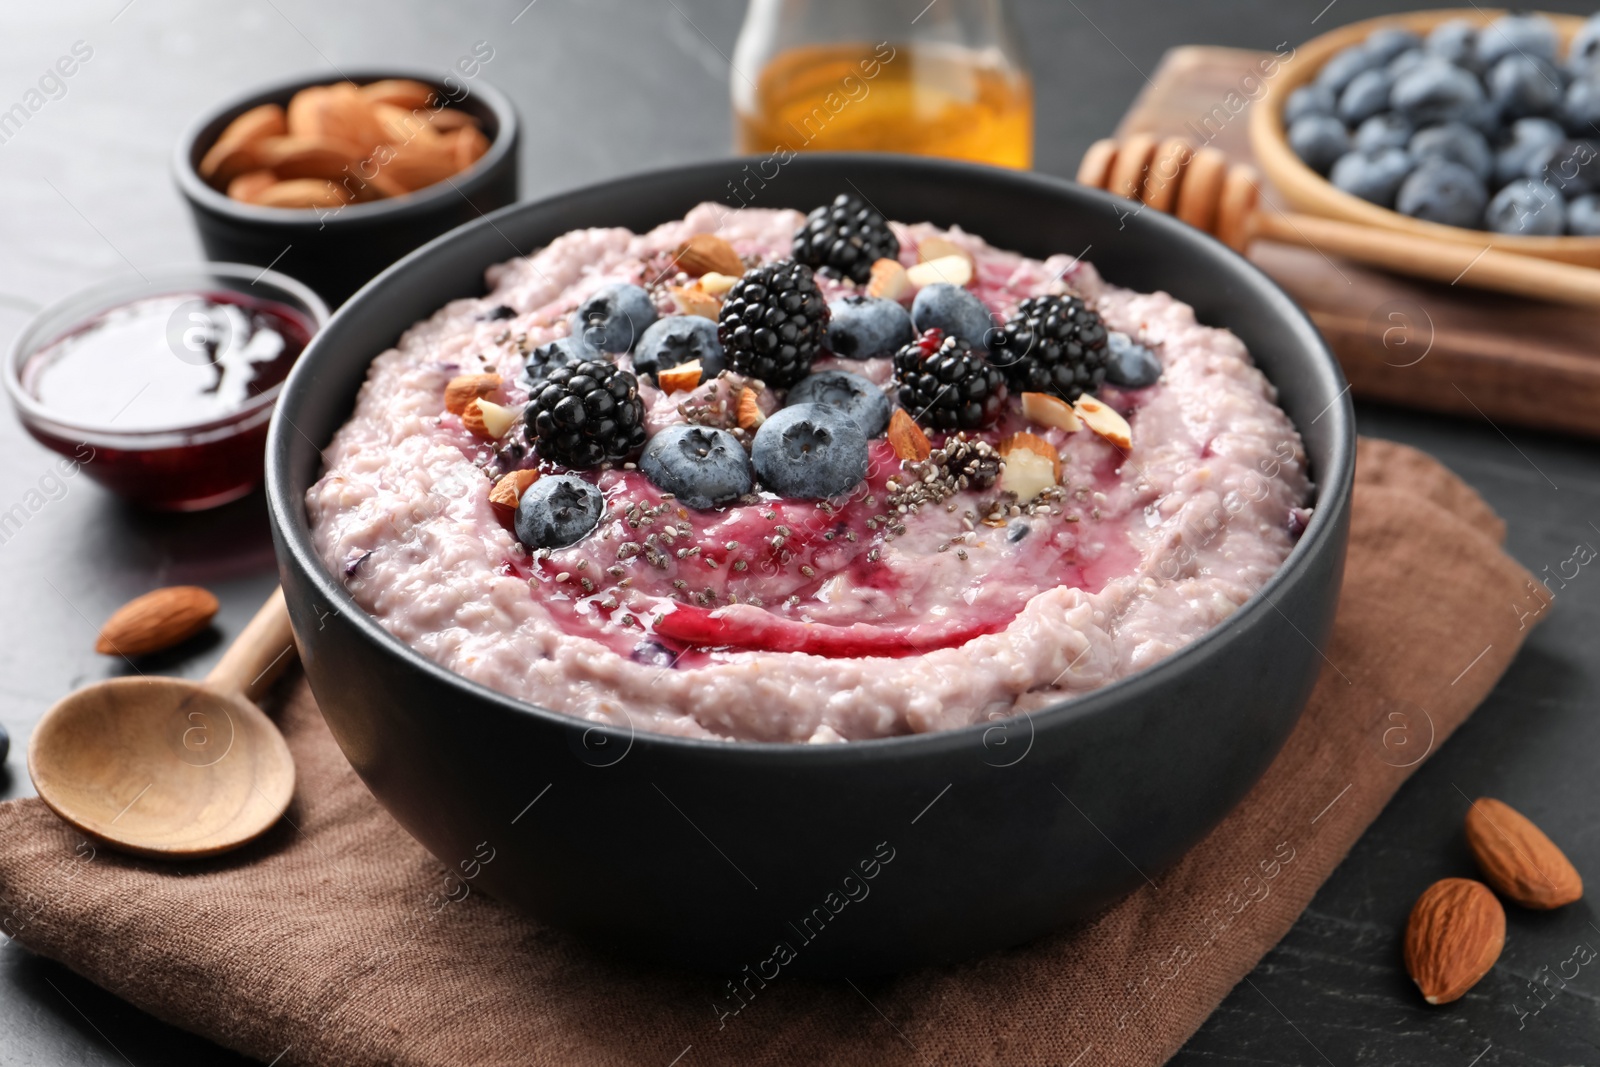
[[707, 253], [1518, 859], [158, 620], [1456, 931]]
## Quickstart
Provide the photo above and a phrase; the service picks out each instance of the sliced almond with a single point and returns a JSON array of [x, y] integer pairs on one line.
[[398, 92], [157, 620], [1104, 421], [1518, 859], [889, 280], [223, 161], [465, 388], [1047, 410], [955, 270], [1027, 474], [693, 300], [683, 377], [907, 438], [251, 184], [488, 419], [507, 492], [302, 193], [1453, 937], [717, 283], [750, 415], [937, 247], [707, 252]]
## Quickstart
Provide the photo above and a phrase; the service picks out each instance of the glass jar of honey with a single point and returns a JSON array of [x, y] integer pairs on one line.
[[945, 78]]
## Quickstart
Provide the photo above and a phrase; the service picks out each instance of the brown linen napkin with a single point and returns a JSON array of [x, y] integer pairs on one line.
[[335, 941]]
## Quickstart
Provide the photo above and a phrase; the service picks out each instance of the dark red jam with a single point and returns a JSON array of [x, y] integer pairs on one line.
[[168, 389]]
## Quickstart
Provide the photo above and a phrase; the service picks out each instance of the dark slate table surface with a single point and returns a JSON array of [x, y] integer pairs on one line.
[[610, 86]]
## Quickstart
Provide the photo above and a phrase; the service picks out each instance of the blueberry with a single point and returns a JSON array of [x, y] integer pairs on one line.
[[1389, 130], [1519, 33], [809, 451], [1385, 44], [1527, 207], [1340, 70], [1130, 364], [861, 327], [615, 317], [1309, 100], [1365, 96], [1455, 42], [499, 313], [1583, 216], [1319, 140], [850, 393], [558, 353], [558, 510], [679, 339], [1457, 142], [1405, 61], [702, 466], [1435, 91], [1580, 106], [1373, 175], [1444, 192], [1571, 167], [1521, 86], [1528, 137], [1017, 529], [1584, 51], [952, 310]]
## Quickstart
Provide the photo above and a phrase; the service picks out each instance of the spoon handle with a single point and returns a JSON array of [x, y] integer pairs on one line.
[[259, 654]]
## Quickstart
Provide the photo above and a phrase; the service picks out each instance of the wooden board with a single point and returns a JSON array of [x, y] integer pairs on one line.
[[1401, 340]]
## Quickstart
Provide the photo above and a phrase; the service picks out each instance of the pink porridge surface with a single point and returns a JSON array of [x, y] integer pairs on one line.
[[791, 620]]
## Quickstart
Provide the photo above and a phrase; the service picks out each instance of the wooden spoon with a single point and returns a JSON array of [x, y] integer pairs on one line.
[[171, 768], [1204, 191]]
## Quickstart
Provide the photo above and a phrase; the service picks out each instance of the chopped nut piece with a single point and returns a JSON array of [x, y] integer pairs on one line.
[[1032, 466], [750, 415], [956, 270], [507, 492], [693, 300], [716, 284], [889, 281], [707, 252], [1104, 421], [681, 378], [465, 388], [907, 438], [1047, 410], [940, 247], [488, 419]]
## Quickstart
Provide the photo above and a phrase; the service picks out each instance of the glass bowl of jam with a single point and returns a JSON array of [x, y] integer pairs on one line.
[[160, 385]]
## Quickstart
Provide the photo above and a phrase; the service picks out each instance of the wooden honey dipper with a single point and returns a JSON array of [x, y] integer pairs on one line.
[[1202, 189]]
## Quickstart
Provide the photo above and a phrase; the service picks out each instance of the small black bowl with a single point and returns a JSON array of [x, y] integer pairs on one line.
[[337, 251], [864, 857]]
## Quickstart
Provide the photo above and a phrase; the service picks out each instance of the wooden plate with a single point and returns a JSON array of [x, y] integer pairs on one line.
[[1305, 190]]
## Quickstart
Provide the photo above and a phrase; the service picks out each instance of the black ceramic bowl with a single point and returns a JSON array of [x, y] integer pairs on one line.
[[708, 854], [336, 252]]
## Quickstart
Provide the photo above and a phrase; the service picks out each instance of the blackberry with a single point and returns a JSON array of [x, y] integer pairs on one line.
[[1053, 344], [945, 384], [585, 414], [846, 237], [773, 323]]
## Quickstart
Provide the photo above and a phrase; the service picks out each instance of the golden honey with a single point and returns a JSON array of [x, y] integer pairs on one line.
[[929, 100]]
